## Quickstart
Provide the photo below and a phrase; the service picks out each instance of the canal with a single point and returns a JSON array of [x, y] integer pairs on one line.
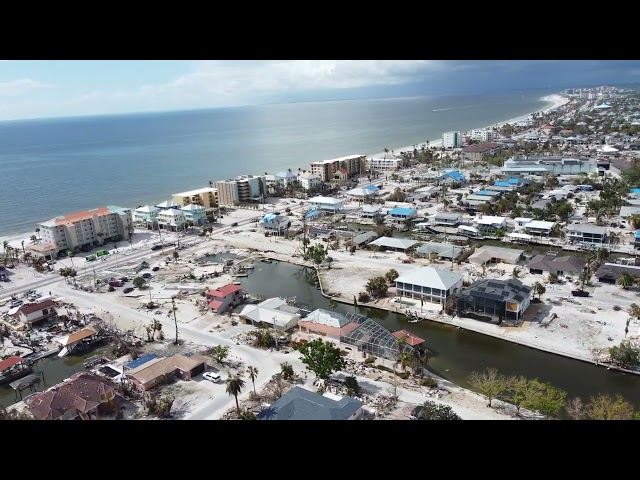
[[457, 352]]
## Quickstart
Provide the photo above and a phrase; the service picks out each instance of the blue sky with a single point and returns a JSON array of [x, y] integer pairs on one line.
[[48, 88]]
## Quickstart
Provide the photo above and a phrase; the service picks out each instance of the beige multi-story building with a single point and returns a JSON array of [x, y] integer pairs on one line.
[[327, 169], [204, 197], [242, 189], [87, 228]]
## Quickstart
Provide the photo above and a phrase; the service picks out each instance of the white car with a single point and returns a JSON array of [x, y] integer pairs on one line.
[[212, 377]]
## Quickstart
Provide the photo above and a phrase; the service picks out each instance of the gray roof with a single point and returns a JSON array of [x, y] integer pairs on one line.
[[303, 404], [613, 271], [445, 250], [587, 229], [486, 253], [451, 216], [430, 277], [365, 237], [551, 263]]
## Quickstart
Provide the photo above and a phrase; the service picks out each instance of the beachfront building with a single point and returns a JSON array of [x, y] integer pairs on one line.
[[309, 180], [546, 264], [494, 300], [271, 313], [286, 177], [447, 219], [273, 223], [452, 140], [204, 197], [242, 189], [352, 164], [83, 230], [171, 219], [480, 150], [429, 284], [589, 234], [325, 203], [168, 205], [557, 165], [195, 214], [222, 299], [483, 135], [451, 176], [384, 164], [393, 243], [147, 216], [400, 214], [302, 404]]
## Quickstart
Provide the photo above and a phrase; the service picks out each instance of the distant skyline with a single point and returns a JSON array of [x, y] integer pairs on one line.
[[61, 88]]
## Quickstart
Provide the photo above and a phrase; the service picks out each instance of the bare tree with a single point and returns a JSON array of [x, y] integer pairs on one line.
[[489, 383], [575, 409]]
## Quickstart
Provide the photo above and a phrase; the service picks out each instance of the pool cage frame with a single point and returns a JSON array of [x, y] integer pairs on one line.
[[373, 339]]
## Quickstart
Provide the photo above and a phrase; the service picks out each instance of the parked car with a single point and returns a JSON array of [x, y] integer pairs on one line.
[[155, 269], [212, 377], [146, 275], [115, 283], [124, 279], [234, 224], [128, 290], [579, 293], [156, 247]]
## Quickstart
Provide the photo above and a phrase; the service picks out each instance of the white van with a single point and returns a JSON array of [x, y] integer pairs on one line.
[[212, 377]]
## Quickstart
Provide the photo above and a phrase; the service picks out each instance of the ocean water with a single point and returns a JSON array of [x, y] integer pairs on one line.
[[54, 166]]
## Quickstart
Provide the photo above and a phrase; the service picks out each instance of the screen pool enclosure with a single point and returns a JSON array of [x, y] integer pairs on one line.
[[374, 339]]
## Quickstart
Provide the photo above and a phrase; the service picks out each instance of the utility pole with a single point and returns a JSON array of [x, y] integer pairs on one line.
[[173, 307]]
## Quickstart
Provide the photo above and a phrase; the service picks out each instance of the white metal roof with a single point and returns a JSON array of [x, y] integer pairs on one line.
[[198, 191], [325, 317], [330, 200], [540, 224], [392, 242], [430, 277]]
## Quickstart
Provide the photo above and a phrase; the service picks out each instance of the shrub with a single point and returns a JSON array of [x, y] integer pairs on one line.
[[370, 360], [617, 308], [429, 382], [111, 288]]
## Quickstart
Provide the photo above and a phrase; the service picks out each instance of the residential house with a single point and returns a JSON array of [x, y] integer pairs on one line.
[[275, 223], [430, 191], [373, 339], [309, 180], [500, 187], [84, 396], [489, 254], [399, 214], [429, 284], [203, 197], [447, 219], [636, 240], [326, 203], [86, 229], [565, 265], [158, 370], [364, 238], [451, 176], [76, 340], [411, 339], [223, 298], [476, 200], [489, 223], [195, 214], [168, 205], [611, 272], [171, 219], [589, 234], [480, 150], [147, 216], [393, 243], [327, 323], [445, 251], [628, 211], [341, 176], [287, 177], [490, 194], [302, 404], [46, 251], [36, 313], [272, 313], [362, 193], [370, 211], [520, 222], [539, 227], [494, 300]]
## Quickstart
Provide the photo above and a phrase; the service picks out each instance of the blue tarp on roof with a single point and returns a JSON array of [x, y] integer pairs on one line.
[[454, 174], [635, 190], [269, 217], [371, 188], [140, 361], [501, 184], [637, 233], [514, 180], [483, 192], [312, 213], [404, 212]]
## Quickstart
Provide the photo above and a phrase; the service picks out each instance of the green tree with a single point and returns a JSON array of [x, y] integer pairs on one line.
[[517, 389], [139, 282], [391, 275], [605, 407], [286, 370], [176, 255], [516, 273], [322, 358], [625, 354], [433, 411], [316, 253], [247, 415], [253, 374], [545, 398], [377, 287], [235, 384], [626, 280], [220, 353], [489, 383], [539, 289]]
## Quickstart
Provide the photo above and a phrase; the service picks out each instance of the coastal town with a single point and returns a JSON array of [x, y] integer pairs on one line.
[[526, 231]]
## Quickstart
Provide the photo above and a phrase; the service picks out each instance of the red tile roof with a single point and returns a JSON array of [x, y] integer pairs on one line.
[[81, 392], [223, 292], [9, 362], [79, 216], [411, 339], [215, 304], [27, 309], [327, 330], [342, 171]]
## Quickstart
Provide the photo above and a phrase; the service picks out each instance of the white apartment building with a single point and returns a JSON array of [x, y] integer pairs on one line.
[[242, 189], [87, 228], [483, 135], [385, 163], [327, 169], [309, 180], [452, 140], [171, 219]]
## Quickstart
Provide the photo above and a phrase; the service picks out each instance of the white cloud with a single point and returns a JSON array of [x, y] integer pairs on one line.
[[15, 87]]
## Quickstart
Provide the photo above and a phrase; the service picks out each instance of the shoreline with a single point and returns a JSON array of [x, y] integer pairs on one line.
[[555, 100]]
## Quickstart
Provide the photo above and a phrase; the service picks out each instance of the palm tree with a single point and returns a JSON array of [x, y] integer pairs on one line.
[[517, 273], [539, 289], [176, 255], [33, 239], [38, 232], [614, 238], [253, 374], [626, 280], [235, 384]]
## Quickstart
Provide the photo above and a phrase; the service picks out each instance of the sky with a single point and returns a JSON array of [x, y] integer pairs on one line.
[[60, 88]]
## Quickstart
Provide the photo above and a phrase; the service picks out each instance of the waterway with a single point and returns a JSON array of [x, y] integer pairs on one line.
[[456, 352]]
